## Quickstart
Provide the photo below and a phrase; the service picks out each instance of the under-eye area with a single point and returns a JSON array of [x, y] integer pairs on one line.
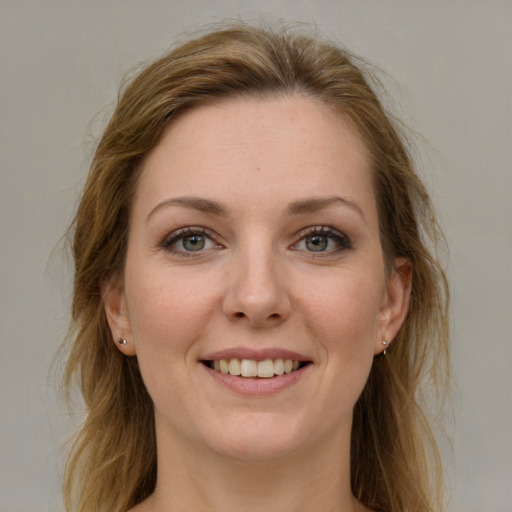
[[265, 369]]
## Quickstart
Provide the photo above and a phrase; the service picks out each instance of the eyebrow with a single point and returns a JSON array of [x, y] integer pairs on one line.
[[194, 203], [316, 204], [301, 206]]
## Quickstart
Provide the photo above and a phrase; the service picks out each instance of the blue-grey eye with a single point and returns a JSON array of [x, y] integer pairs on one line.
[[322, 239], [317, 243], [188, 240], [193, 242]]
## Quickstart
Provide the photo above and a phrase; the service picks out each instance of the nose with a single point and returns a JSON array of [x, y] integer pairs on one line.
[[256, 292]]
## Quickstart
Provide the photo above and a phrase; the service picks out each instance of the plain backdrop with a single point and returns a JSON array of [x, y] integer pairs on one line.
[[61, 64]]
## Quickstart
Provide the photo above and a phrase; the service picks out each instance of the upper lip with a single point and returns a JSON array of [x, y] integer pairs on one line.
[[255, 354]]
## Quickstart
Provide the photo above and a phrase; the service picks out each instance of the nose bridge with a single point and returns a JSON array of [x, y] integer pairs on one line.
[[256, 289]]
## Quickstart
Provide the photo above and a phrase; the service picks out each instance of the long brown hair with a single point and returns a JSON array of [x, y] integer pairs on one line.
[[395, 463]]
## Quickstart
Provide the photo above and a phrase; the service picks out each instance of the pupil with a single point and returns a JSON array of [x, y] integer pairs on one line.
[[193, 242], [317, 243]]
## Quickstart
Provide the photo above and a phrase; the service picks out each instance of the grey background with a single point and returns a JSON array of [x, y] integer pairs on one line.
[[61, 63]]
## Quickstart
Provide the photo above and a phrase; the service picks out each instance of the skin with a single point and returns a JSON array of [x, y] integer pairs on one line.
[[258, 283]]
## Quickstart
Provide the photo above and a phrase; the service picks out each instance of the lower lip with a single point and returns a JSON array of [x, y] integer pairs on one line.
[[257, 386]]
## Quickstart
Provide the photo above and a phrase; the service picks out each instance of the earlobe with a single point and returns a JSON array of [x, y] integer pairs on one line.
[[117, 316], [395, 304]]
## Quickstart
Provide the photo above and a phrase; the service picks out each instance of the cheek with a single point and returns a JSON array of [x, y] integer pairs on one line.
[[344, 313], [342, 317], [168, 313], [168, 310], [350, 306]]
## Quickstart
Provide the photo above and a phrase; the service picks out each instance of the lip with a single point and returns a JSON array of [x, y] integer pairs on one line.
[[254, 386], [257, 355]]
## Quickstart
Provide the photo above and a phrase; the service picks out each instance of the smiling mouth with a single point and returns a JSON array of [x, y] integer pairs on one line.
[[250, 368]]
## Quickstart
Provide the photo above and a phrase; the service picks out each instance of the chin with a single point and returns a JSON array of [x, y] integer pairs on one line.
[[261, 438], [257, 451]]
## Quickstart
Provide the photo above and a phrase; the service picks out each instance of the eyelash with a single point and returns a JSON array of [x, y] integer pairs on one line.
[[181, 234], [342, 241]]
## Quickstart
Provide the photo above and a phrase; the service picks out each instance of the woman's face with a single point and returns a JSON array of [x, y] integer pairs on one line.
[[254, 243]]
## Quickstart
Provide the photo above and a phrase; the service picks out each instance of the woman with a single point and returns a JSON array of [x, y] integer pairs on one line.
[[256, 305]]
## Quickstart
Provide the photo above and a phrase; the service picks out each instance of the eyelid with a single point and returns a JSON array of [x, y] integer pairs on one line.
[[180, 233], [343, 240]]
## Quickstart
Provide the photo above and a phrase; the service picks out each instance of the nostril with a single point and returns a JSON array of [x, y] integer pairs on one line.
[[239, 314]]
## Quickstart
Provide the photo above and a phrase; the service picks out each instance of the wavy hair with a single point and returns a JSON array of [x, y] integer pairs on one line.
[[395, 462]]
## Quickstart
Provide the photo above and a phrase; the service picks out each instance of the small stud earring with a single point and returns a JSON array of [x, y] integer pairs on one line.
[[386, 345], [122, 341]]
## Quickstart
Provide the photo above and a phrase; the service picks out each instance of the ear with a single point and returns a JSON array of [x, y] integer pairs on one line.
[[395, 302], [117, 316]]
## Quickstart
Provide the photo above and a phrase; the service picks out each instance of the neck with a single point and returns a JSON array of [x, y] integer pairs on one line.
[[201, 480]]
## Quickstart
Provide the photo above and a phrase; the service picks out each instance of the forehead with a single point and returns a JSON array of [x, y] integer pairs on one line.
[[278, 148]]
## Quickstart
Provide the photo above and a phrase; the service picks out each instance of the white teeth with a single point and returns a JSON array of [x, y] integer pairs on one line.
[[279, 366], [248, 368], [224, 366], [266, 368], [252, 368], [234, 367]]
